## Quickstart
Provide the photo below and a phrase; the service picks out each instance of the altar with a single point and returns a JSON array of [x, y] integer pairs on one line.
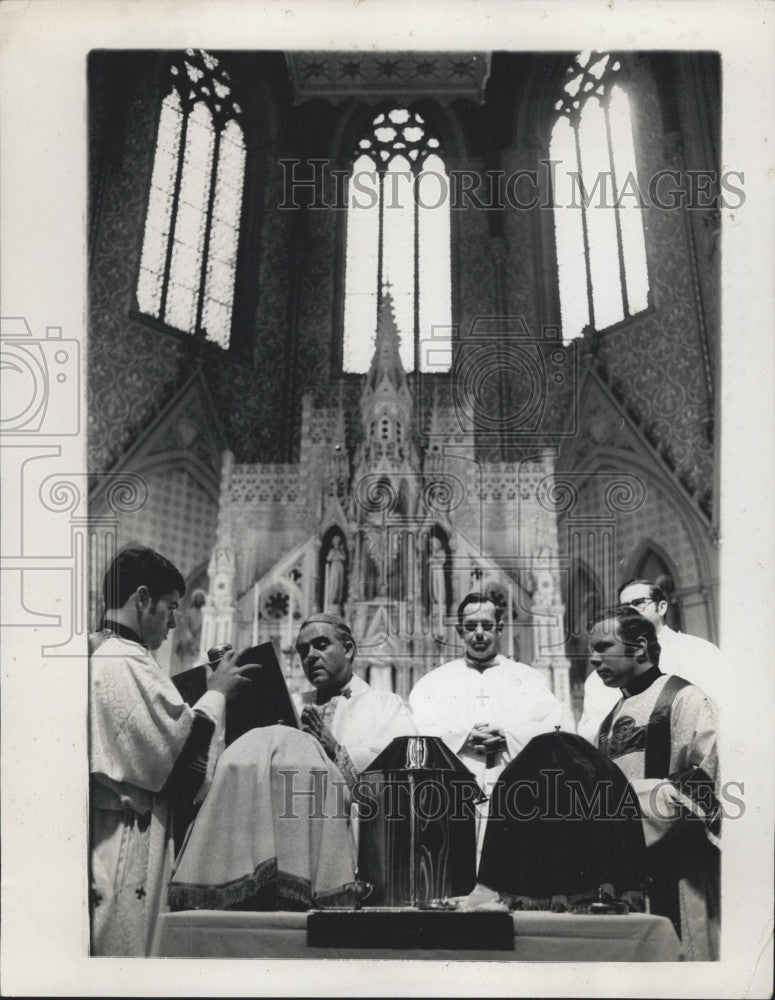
[[538, 937]]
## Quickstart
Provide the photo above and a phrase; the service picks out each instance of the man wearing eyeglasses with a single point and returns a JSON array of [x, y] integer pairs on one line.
[[696, 660], [484, 706]]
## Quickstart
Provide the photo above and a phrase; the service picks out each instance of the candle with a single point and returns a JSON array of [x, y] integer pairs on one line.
[[255, 614], [290, 623]]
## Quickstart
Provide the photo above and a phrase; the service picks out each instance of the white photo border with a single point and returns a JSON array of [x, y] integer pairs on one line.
[[43, 213]]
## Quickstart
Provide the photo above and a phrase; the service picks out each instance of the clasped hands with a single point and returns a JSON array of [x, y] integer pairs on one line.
[[485, 738], [312, 723]]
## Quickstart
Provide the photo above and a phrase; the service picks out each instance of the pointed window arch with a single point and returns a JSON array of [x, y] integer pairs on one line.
[[598, 218], [652, 565], [398, 238], [189, 257]]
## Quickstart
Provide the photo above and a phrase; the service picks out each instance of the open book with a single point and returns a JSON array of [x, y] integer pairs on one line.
[[266, 701]]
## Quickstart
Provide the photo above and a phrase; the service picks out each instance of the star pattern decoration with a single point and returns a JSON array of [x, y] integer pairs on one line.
[[388, 67], [463, 67], [315, 67], [427, 66], [375, 72], [140, 892]]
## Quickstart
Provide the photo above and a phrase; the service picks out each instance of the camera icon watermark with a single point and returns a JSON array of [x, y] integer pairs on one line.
[[508, 383], [41, 381]]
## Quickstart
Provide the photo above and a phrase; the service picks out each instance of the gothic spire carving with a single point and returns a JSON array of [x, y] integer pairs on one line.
[[387, 406], [386, 362]]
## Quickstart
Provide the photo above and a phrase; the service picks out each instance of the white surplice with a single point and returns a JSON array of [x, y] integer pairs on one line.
[[450, 700], [138, 725], [696, 660]]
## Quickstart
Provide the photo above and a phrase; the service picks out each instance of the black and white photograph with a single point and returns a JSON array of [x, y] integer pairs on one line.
[[387, 510]]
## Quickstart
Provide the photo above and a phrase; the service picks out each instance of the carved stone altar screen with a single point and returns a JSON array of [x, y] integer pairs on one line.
[[390, 529]]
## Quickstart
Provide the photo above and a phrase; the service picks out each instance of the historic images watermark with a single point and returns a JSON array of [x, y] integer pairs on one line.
[[548, 797], [41, 411], [41, 378], [316, 184]]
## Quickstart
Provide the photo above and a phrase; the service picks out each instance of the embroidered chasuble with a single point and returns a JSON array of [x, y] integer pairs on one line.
[[696, 660], [139, 730], [273, 832], [663, 736]]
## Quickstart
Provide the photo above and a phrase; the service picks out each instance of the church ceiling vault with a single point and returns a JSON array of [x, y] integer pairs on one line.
[[375, 75]]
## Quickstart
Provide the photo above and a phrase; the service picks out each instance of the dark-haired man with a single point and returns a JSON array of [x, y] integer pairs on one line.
[[140, 732], [662, 733], [352, 721], [484, 706], [688, 656]]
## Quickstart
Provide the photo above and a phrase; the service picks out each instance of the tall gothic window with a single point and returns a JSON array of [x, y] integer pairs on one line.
[[189, 257], [398, 240], [598, 220]]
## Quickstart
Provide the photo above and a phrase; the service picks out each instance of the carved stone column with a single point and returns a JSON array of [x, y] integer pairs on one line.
[[547, 612], [219, 610], [312, 576]]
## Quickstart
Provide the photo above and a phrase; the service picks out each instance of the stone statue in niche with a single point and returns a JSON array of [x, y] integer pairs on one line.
[[436, 585], [336, 575], [373, 563]]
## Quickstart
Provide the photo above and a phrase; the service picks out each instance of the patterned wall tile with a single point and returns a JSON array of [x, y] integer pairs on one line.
[[132, 369]]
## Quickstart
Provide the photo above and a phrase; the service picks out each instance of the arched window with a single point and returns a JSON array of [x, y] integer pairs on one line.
[[398, 238], [189, 257], [598, 219], [652, 566]]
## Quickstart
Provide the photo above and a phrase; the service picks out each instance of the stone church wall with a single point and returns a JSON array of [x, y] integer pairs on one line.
[[178, 511], [657, 361], [288, 304], [658, 358], [132, 368]]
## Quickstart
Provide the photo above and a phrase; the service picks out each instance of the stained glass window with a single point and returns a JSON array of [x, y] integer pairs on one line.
[[398, 240], [189, 257], [598, 217]]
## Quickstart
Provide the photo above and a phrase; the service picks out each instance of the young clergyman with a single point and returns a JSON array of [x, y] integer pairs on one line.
[[662, 733], [485, 706], [688, 656], [143, 739]]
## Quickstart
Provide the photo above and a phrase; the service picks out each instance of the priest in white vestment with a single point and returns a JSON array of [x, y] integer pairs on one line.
[[696, 660], [353, 722], [484, 706], [143, 739]]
